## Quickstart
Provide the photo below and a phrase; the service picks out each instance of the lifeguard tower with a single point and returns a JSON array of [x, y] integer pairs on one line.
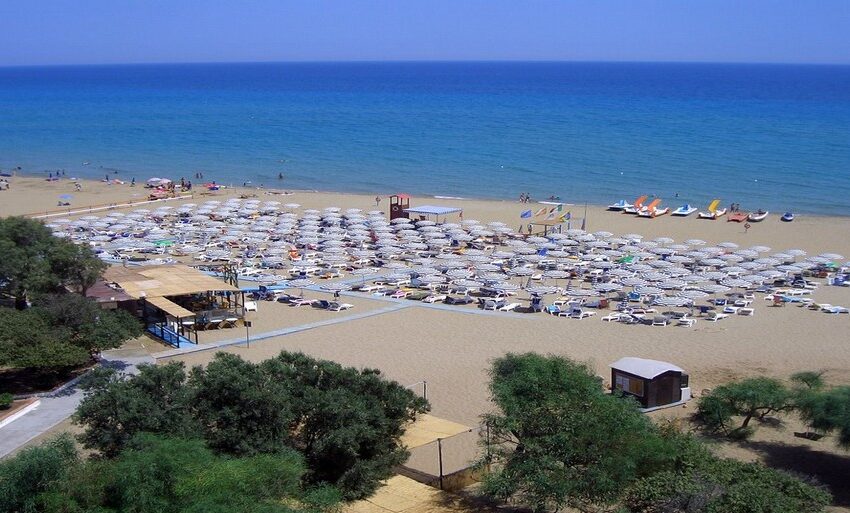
[[399, 203]]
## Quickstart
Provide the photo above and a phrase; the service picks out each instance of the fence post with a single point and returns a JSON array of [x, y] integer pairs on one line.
[[424, 390], [440, 457]]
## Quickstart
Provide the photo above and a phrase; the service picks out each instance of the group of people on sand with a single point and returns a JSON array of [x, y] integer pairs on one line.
[[524, 197], [735, 207]]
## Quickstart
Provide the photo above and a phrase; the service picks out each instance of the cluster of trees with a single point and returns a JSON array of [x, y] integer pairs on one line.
[[157, 474], [729, 408], [50, 329], [33, 261], [288, 434], [61, 331], [558, 440]]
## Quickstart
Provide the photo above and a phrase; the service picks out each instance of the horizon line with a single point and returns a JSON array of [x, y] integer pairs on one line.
[[424, 61]]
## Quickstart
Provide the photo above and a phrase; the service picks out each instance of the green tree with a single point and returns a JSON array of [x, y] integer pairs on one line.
[[347, 422], [33, 472], [750, 398], [156, 474], [88, 326], [241, 411], [708, 484], [61, 331], [558, 440], [116, 409], [32, 260], [827, 411]]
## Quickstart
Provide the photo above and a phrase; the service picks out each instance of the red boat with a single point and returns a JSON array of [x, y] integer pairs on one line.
[[738, 217]]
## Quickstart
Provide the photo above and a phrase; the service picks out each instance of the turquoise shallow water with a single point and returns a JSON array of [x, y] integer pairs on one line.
[[766, 136]]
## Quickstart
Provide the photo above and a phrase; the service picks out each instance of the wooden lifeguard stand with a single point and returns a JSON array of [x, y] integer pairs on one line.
[[398, 203]]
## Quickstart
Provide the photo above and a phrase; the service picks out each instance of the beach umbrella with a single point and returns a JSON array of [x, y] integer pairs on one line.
[[540, 290], [580, 292], [672, 284], [728, 245], [831, 256], [796, 252], [760, 249], [520, 271], [672, 301], [692, 294], [633, 282], [695, 242], [470, 284], [336, 287], [607, 288], [300, 284], [714, 288], [647, 290]]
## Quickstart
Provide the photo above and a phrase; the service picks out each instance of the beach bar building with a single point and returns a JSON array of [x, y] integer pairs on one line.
[[655, 384], [175, 301]]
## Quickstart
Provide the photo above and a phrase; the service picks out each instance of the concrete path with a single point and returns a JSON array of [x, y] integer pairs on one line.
[[277, 333], [59, 405]]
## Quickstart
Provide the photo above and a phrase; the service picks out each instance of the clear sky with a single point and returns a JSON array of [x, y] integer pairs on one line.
[[135, 31]]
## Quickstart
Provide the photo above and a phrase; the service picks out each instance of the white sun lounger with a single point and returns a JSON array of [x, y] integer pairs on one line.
[[509, 307]]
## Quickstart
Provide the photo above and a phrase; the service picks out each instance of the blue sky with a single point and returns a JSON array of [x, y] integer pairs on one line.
[[135, 31]]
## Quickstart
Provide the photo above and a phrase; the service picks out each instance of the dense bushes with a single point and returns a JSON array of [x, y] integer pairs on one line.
[[347, 423], [557, 440]]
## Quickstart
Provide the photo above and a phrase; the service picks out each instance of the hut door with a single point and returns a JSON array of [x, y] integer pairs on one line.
[[665, 388]]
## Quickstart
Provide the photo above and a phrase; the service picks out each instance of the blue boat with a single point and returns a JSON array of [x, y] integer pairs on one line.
[[788, 217]]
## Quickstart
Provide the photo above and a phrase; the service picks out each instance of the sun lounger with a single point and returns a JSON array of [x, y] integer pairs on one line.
[[229, 322], [509, 307], [302, 302], [660, 320], [338, 307], [614, 316], [748, 312], [578, 313], [732, 310], [716, 316], [434, 298], [494, 304], [250, 306], [836, 310], [686, 322]]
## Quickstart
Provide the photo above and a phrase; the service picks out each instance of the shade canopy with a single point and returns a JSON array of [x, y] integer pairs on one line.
[[164, 280], [433, 210]]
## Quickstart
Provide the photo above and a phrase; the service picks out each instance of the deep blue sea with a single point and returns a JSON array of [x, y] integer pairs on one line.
[[766, 136]]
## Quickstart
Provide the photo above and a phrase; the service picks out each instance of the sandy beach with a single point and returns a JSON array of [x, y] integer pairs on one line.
[[452, 349]]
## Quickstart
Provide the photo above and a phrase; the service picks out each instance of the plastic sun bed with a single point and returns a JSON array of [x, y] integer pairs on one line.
[[434, 298], [509, 307], [338, 307]]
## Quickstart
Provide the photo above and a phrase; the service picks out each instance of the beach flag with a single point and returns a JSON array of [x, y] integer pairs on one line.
[[583, 224], [540, 212], [565, 217], [550, 216], [525, 214]]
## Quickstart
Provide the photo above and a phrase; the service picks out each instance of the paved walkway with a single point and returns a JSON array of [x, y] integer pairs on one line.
[[59, 405], [277, 333]]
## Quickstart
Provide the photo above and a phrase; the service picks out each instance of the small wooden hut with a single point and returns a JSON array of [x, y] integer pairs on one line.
[[655, 384]]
